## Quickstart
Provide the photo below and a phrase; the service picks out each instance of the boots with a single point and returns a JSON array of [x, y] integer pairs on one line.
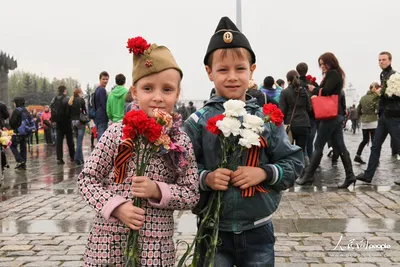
[[306, 161], [335, 157], [348, 168], [308, 177], [358, 159]]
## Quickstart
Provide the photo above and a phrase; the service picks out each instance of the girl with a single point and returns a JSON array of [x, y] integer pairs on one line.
[[296, 107], [167, 185], [77, 106]]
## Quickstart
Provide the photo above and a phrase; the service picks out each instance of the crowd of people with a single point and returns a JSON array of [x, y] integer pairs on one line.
[[185, 180]]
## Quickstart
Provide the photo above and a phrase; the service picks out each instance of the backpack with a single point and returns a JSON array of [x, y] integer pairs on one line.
[[92, 105], [57, 112], [27, 124]]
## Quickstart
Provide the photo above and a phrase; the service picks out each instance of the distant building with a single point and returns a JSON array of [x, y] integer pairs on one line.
[[352, 97]]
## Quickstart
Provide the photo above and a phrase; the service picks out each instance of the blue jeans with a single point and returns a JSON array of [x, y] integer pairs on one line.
[[251, 248], [311, 137], [20, 156], [79, 130], [386, 126], [101, 128]]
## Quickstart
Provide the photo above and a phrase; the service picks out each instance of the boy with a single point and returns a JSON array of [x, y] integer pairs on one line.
[[100, 100], [116, 100], [230, 63]]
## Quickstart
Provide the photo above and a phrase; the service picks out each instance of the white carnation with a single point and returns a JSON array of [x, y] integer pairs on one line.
[[234, 108], [249, 138], [253, 123], [393, 85], [229, 126]]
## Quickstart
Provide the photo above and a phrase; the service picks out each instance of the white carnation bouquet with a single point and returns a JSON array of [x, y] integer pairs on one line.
[[393, 85]]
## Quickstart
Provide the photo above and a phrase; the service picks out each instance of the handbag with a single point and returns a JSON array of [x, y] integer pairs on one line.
[[325, 107], [83, 118], [287, 126]]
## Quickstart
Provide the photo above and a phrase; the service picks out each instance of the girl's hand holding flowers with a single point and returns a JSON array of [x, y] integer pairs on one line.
[[143, 187], [130, 215]]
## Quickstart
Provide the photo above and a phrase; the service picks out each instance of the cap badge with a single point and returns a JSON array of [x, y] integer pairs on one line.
[[228, 37], [148, 63]]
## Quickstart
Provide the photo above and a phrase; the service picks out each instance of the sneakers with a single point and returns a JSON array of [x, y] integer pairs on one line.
[[358, 159], [398, 156]]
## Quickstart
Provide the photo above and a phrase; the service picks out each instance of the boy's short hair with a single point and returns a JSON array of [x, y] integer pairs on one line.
[[120, 79], [280, 82], [302, 68], [236, 52], [61, 89], [268, 81], [103, 73]]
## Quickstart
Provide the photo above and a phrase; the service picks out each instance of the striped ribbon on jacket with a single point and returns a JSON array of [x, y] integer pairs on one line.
[[125, 151], [253, 160]]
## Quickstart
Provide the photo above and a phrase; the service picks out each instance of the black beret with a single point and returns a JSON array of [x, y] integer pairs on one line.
[[227, 35]]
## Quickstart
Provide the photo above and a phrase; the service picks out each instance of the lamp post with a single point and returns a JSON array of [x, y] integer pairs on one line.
[[239, 14]]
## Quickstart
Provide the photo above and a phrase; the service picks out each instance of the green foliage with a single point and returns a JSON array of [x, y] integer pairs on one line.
[[37, 90]]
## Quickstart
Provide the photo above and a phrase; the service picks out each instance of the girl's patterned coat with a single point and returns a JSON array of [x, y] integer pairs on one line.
[[108, 235]]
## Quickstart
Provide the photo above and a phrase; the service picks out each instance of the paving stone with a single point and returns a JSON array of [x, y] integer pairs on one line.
[[20, 253], [16, 247], [66, 258], [72, 264], [359, 265], [309, 248], [373, 259], [43, 263], [14, 242], [325, 265], [304, 259], [339, 259]]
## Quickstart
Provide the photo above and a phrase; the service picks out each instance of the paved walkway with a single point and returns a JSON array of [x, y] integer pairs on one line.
[[45, 223]]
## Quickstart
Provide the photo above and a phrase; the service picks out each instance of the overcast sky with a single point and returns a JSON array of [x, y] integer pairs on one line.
[[82, 38]]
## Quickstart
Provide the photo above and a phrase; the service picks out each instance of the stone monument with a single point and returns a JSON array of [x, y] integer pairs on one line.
[[7, 63]]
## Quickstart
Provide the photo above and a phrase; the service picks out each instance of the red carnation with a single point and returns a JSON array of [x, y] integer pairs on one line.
[[137, 45], [276, 117], [128, 132], [137, 119], [269, 108], [212, 124], [309, 77], [152, 130]]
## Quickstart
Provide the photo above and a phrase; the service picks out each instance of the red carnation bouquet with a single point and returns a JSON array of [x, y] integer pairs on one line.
[[145, 137], [273, 114]]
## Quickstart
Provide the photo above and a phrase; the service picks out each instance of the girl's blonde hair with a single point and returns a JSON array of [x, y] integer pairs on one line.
[[76, 93]]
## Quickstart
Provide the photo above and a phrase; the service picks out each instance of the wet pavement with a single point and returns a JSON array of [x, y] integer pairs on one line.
[[43, 222]]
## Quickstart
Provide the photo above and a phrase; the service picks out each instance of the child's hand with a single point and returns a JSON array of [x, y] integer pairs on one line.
[[131, 216], [246, 176], [143, 187], [219, 179]]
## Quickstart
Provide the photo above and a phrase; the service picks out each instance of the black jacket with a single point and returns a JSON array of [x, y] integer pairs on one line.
[[332, 85], [261, 97], [78, 106], [16, 116], [388, 106], [287, 101], [65, 117], [3, 114]]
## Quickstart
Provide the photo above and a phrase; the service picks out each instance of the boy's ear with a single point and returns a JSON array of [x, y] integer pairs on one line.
[[133, 91], [252, 69], [209, 73]]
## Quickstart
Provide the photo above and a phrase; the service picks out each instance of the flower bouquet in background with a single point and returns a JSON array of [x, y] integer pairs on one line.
[[236, 131], [5, 138], [273, 114], [145, 137], [392, 86]]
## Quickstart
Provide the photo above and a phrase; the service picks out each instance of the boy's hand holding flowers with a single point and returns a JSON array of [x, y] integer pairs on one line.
[[218, 180], [246, 176], [143, 187]]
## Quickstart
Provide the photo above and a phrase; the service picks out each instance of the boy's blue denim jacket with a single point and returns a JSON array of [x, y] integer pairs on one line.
[[282, 161]]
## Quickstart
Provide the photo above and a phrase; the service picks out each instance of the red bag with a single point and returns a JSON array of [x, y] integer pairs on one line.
[[325, 107]]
